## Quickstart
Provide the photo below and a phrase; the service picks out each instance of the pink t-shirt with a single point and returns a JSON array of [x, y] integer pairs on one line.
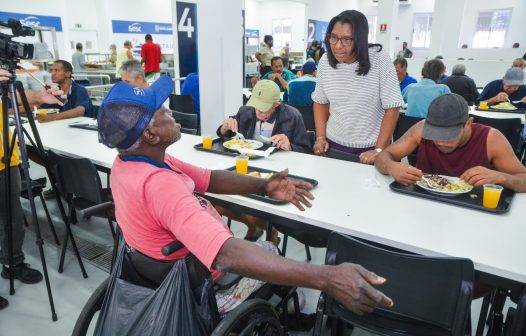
[[155, 206]]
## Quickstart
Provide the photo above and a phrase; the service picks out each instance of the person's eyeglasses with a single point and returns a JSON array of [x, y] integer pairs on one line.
[[346, 41]]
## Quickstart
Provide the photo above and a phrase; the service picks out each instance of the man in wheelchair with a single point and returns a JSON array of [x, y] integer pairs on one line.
[[157, 201]]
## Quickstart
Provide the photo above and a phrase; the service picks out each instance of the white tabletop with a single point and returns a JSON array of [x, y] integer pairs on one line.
[[354, 199], [496, 115]]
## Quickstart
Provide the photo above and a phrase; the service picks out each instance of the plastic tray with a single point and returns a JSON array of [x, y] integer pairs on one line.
[[218, 148], [85, 126], [464, 200], [266, 198], [519, 110]]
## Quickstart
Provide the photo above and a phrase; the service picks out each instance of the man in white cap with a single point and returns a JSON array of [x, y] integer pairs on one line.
[[509, 88]]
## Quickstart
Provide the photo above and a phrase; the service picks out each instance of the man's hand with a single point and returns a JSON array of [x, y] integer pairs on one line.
[[479, 175], [51, 96], [352, 286], [229, 124], [47, 118], [501, 97], [294, 191], [281, 141], [405, 174], [368, 157], [4, 75]]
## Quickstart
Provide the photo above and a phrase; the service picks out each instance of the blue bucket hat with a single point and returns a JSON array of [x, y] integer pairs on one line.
[[120, 127]]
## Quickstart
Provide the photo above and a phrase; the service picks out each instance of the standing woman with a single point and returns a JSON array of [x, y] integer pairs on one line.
[[357, 97]]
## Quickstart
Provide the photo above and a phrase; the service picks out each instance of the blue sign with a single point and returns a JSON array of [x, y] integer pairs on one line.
[[140, 27], [187, 37], [251, 32], [33, 20], [317, 30]]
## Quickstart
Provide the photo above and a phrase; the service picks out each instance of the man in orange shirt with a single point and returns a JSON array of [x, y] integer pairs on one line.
[[151, 56]]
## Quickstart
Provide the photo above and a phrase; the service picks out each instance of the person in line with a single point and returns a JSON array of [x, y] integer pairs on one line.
[[113, 54], [405, 52], [151, 57], [123, 55], [404, 78], [450, 143], [279, 74], [266, 119], [77, 102], [510, 88], [418, 96], [265, 54], [462, 84], [300, 89], [78, 59], [519, 63], [315, 51], [21, 271], [155, 202], [357, 97]]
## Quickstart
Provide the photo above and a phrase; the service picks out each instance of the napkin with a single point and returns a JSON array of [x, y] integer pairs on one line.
[[257, 152]]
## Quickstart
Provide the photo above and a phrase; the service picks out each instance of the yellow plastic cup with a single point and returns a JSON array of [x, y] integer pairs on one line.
[[483, 105], [207, 142], [242, 164], [42, 112], [491, 195]]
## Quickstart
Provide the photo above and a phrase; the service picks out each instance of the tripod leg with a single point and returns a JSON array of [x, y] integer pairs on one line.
[[50, 222]]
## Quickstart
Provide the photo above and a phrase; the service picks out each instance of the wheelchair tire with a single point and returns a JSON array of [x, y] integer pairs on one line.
[[252, 317], [92, 306]]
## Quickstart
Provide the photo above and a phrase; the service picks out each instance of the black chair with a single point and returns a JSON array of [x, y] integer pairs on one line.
[[432, 296], [402, 126], [511, 128], [182, 103], [37, 189], [189, 122], [307, 113], [312, 138], [245, 99], [79, 182]]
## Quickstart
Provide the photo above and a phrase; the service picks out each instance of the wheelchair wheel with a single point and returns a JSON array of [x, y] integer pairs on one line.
[[252, 317], [92, 306]]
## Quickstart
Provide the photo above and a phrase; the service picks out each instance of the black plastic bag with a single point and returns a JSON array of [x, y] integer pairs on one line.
[[171, 309]]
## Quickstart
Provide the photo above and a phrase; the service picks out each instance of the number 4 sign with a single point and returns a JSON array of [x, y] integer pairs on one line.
[[185, 23], [187, 37]]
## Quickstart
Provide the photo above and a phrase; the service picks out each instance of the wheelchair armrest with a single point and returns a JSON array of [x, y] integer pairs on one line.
[[227, 281], [97, 209]]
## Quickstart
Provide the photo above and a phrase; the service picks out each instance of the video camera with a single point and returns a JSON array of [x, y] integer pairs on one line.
[[11, 51]]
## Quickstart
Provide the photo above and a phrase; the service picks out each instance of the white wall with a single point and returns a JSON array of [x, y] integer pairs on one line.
[[326, 10]]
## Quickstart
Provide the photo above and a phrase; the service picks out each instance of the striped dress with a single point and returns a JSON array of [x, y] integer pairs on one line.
[[357, 103]]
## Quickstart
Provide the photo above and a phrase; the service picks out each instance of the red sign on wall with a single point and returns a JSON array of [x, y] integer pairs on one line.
[[383, 27]]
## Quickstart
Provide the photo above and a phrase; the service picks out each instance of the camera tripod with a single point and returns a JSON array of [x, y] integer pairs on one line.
[[8, 90]]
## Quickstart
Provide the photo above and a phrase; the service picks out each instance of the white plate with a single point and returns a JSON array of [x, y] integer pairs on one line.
[[234, 144], [496, 107], [424, 185]]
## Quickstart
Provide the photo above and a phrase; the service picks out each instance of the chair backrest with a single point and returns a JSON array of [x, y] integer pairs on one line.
[[77, 176], [182, 103], [188, 121], [308, 115], [511, 128], [188, 131], [404, 123], [300, 92], [432, 296], [312, 137], [245, 99], [310, 235]]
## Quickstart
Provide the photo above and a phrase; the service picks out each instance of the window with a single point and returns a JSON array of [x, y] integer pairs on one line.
[[491, 28], [281, 32], [371, 20], [421, 30]]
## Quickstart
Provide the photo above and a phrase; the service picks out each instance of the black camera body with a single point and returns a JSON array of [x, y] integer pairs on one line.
[[11, 51]]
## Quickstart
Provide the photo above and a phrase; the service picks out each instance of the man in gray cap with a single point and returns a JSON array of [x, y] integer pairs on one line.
[[449, 143], [155, 202], [510, 88]]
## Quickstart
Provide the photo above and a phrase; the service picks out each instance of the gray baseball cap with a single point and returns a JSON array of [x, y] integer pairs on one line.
[[514, 76], [446, 117]]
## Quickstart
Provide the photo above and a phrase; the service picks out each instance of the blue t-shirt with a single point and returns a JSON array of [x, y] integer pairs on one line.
[[495, 87], [419, 96], [408, 80], [301, 89], [191, 87], [76, 96]]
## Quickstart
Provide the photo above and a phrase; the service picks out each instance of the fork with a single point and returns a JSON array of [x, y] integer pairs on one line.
[[427, 181], [240, 136], [516, 101]]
